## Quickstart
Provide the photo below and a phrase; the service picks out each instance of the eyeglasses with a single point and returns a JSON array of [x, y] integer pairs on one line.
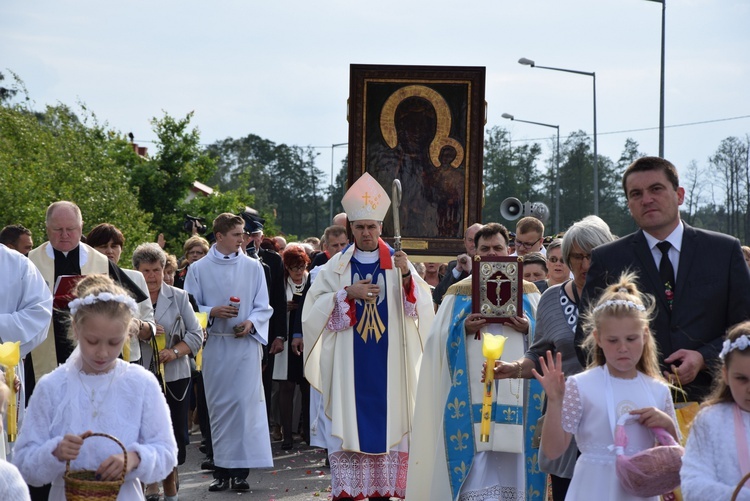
[[554, 260], [198, 252], [297, 268], [526, 244], [574, 256]]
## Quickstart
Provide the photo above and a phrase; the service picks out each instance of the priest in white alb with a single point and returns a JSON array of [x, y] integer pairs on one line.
[[365, 320], [233, 353], [449, 461], [25, 313]]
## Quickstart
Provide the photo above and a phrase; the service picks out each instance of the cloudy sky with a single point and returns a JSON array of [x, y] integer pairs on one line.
[[280, 69]]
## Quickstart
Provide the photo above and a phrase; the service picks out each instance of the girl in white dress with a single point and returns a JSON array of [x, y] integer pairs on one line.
[[622, 377], [716, 453], [94, 391]]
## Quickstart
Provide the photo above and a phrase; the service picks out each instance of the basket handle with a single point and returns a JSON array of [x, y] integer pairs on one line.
[[124, 453], [739, 486]]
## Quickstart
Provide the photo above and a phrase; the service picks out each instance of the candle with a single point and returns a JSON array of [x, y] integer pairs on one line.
[[203, 321], [10, 356], [492, 349]]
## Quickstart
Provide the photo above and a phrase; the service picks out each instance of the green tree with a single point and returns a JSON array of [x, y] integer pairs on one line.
[[509, 172], [53, 155], [163, 181]]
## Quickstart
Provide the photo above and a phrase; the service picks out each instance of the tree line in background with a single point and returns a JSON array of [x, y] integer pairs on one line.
[[61, 154]]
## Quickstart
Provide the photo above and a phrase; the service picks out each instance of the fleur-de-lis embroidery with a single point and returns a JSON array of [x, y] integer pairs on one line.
[[455, 343], [461, 470], [456, 405], [459, 438], [532, 493], [456, 375], [533, 464], [539, 397], [510, 414]]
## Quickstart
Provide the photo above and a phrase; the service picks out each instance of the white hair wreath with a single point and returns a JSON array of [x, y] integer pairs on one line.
[[741, 343], [620, 302], [128, 301]]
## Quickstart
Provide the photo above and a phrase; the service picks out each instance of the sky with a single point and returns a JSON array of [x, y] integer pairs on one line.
[[279, 69]]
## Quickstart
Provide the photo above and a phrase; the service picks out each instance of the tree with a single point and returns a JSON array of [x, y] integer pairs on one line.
[[163, 181], [286, 185], [53, 155], [731, 163], [509, 172]]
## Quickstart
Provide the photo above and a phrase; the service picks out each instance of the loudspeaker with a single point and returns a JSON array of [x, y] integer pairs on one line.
[[511, 208], [539, 211]]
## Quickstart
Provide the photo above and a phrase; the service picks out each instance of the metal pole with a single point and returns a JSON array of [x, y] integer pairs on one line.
[[557, 163], [557, 185], [529, 62], [332, 185], [596, 158], [330, 192], [661, 91]]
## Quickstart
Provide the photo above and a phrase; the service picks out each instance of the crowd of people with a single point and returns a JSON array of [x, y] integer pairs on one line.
[[358, 348]]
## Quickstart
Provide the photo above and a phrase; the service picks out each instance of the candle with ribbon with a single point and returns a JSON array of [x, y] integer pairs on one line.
[[202, 317], [492, 349], [161, 343], [10, 356]]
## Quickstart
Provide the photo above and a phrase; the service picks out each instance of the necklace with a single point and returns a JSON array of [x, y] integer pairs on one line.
[[296, 289], [91, 393]]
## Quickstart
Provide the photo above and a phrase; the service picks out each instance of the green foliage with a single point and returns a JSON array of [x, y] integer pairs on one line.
[[163, 181], [283, 179], [52, 155], [508, 172]]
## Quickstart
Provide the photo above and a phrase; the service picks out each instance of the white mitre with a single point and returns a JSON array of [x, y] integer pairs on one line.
[[366, 199]]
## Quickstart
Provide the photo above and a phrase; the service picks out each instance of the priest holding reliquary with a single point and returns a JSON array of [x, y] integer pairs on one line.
[[472, 440]]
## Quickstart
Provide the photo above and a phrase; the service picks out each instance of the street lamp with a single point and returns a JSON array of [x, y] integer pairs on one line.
[[661, 88], [331, 190], [529, 62], [557, 164]]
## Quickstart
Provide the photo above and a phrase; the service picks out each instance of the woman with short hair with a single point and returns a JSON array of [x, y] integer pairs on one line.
[[288, 370], [195, 248], [176, 320]]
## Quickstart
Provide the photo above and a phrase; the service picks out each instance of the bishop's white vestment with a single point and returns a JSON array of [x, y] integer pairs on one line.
[[364, 359]]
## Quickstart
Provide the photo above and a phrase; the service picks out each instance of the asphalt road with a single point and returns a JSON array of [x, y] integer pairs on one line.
[[297, 475]]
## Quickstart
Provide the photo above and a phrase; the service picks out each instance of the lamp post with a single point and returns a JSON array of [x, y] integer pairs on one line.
[[529, 62], [557, 164], [661, 85], [331, 190]]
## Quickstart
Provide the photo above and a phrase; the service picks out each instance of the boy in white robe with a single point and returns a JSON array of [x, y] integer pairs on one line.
[[233, 353]]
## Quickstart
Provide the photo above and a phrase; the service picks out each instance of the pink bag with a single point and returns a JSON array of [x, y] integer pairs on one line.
[[651, 472]]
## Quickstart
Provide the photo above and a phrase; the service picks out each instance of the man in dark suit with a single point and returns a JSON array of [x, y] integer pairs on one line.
[[699, 279]]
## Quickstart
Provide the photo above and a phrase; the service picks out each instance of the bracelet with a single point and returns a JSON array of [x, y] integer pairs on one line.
[[407, 274], [520, 371]]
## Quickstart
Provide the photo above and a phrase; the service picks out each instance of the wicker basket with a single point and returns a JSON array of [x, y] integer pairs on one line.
[[81, 485]]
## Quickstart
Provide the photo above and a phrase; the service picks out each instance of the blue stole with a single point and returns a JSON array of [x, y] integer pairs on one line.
[[370, 338], [460, 415]]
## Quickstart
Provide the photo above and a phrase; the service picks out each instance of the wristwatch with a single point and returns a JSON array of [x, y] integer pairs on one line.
[[176, 353]]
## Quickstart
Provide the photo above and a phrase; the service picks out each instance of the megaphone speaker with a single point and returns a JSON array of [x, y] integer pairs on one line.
[[511, 208]]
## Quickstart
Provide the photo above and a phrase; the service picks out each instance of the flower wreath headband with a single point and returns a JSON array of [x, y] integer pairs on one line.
[[620, 302], [128, 301], [741, 343]]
